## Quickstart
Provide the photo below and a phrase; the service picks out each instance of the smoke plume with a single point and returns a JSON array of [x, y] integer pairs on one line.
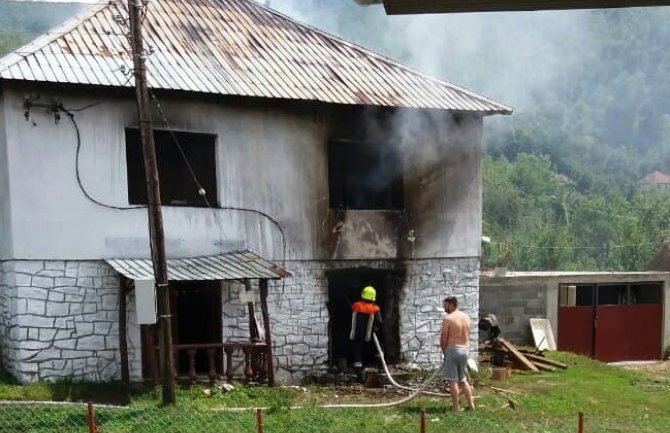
[[510, 57]]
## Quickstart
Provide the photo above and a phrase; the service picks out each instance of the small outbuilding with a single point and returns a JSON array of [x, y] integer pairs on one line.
[[611, 316]]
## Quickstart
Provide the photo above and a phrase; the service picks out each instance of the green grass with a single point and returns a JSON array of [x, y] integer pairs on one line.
[[613, 400]]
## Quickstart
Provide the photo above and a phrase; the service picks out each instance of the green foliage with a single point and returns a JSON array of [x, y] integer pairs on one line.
[[10, 39], [21, 22], [538, 220]]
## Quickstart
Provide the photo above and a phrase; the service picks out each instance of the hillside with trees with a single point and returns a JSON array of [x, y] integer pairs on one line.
[[592, 117], [20, 22]]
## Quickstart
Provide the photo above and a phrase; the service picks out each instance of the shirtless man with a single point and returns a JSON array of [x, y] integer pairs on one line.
[[455, 344]]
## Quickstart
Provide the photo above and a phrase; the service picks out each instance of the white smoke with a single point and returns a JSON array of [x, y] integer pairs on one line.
[[511, 57]]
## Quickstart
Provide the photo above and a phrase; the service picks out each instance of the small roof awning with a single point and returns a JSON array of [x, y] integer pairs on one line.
[[237, 265]]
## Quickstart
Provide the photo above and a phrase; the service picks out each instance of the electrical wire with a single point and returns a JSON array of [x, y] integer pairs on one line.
[[95, 103], [71, 116], [198, 185], [566, 247]]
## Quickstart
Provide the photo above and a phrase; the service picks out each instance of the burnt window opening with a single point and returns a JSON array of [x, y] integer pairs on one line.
[[344, 288], [364, 175], [176, 182]]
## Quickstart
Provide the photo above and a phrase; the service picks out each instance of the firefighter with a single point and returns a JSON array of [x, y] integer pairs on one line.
[[365, 319]]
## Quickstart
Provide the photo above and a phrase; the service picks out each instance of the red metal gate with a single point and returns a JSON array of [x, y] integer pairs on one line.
[[575, 329], [628, 332]]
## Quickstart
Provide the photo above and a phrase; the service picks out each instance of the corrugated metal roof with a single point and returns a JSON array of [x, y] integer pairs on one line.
[[232, 47], [236, 265]]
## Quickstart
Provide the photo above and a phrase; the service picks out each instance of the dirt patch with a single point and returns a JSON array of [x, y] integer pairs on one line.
[[661, 367]]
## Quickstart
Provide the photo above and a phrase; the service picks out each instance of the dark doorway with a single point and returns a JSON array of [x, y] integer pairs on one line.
[[344, 288], [196, 319]]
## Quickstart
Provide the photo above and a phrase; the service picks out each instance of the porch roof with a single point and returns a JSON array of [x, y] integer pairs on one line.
[[235, 265]]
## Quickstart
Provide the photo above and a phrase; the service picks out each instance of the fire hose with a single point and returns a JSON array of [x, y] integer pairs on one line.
[[393, 381], [415, 392]]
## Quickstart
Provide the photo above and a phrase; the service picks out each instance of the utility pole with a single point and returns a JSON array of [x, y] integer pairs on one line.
[[157, 237]]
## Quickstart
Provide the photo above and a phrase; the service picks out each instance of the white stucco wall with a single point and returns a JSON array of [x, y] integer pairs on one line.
[[270, 159], [5, 220]]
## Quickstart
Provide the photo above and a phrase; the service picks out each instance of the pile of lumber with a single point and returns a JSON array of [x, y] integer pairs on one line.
[[529, 361]]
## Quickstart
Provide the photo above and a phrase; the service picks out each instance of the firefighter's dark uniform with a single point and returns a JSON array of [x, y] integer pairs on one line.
[[365, 318]]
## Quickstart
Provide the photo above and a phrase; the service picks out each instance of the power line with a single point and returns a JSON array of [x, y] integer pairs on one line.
[[202, 192], [70, 116], [566, 247]]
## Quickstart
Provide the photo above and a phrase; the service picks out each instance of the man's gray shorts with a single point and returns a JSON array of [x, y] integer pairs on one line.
[[455, 363]]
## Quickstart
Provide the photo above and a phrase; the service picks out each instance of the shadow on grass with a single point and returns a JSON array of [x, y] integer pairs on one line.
[[112, 393]]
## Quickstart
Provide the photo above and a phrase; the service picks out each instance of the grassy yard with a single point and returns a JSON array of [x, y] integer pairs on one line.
[[613, 400]]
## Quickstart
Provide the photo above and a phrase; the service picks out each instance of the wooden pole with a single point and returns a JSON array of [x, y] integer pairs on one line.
[[580, 426], [92, 428], [157, 238], [422, 422], [123, 330], [149, 352], [263, 285], [259, 420], [253, 330]]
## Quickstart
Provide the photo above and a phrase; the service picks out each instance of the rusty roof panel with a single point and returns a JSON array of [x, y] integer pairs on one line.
[[235, 265], [231, 47]]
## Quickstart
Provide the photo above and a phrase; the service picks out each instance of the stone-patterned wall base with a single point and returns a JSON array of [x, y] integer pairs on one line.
[[299, 314], [428, 283], [59, 319]]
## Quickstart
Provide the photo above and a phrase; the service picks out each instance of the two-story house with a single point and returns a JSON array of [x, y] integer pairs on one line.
[[335, 163]]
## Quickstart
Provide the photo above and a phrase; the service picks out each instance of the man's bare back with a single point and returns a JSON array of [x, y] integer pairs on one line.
[[456, 330]]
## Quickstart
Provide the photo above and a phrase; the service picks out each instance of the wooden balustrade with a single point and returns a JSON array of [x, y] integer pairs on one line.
[[254, 357]]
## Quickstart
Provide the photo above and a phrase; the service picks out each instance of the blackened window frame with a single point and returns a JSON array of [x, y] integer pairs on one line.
[[353, 166], [177, 185]]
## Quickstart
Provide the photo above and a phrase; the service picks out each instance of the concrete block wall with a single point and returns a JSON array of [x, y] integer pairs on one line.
[[60, 319], [514, 303]]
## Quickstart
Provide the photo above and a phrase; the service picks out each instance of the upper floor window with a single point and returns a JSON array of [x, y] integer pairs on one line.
[[177, 185], [364, 175]]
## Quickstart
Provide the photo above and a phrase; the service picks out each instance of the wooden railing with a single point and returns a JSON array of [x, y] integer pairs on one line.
[[254, 357]]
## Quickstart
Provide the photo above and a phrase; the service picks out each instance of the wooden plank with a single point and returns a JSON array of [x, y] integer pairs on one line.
[[253, 330], [518, 355], [544, 367], [123, 330], [149, 350], [263, 285], [545, 361]]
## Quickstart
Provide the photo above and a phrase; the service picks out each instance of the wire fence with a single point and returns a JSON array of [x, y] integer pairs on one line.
[[44, 417], [81, 418]]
